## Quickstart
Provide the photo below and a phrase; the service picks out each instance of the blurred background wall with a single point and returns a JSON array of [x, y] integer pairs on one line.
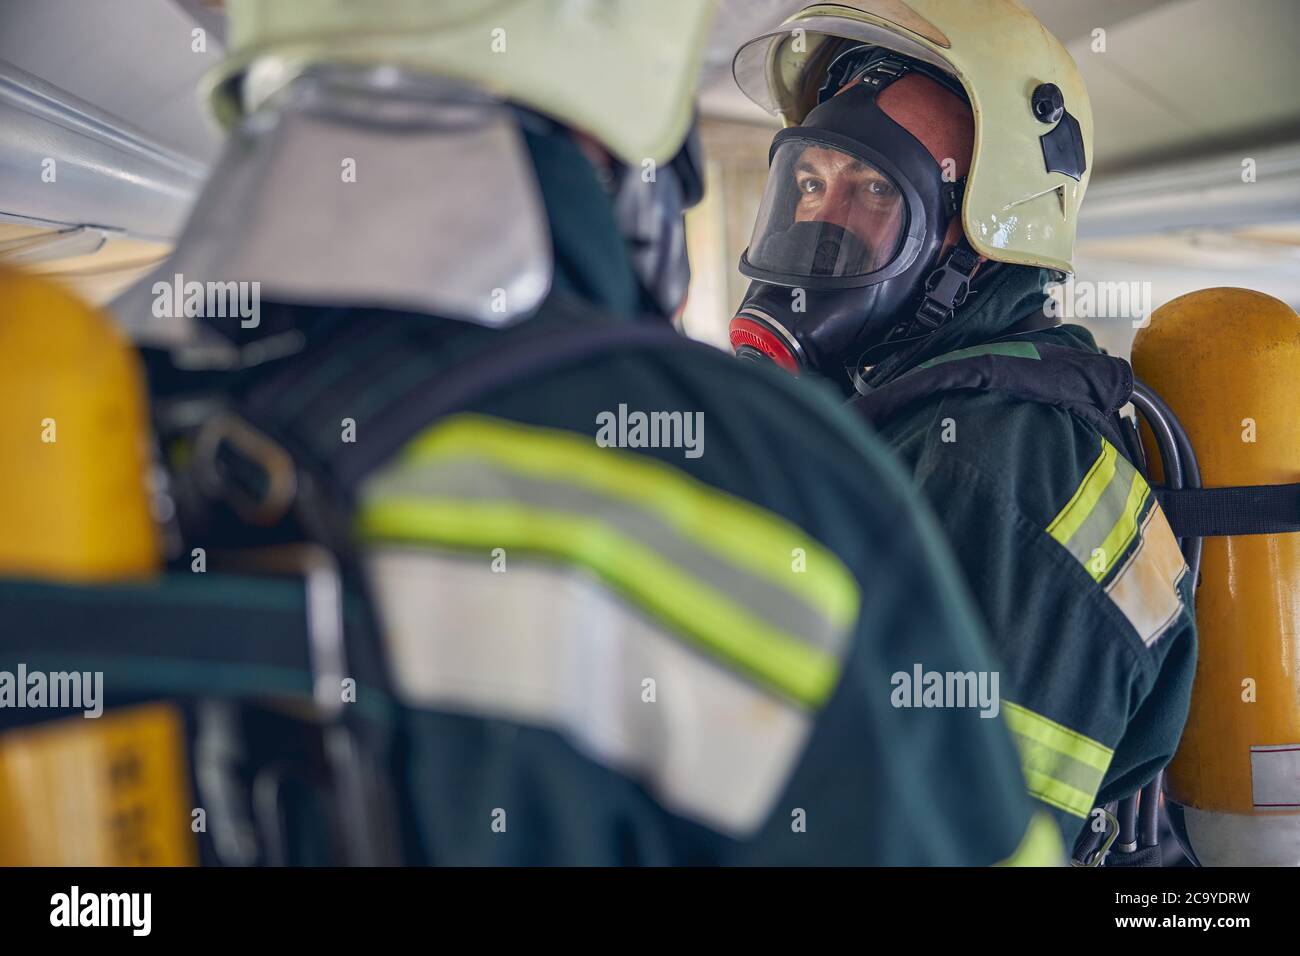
[[1184, 92]]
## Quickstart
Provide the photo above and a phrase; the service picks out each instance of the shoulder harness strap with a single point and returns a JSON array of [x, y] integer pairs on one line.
[[281, 450], [1092, 386]]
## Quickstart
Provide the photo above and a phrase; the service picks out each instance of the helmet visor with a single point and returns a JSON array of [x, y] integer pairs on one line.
[[826, 213]]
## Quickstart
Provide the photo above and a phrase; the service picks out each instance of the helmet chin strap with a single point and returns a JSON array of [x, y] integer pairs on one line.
[[946, 290]]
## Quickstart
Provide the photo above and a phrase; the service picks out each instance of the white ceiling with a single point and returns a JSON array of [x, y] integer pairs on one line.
[[1187, 78], [131, 58]]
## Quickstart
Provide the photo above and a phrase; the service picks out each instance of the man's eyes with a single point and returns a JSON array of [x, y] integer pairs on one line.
[[877, 188]]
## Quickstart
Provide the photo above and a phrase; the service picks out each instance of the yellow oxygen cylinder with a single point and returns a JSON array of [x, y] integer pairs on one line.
[[1227, 361], [74, 500]]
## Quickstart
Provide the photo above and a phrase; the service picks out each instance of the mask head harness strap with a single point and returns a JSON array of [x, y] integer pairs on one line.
[[651, 216], [878, 68], [947, 288]]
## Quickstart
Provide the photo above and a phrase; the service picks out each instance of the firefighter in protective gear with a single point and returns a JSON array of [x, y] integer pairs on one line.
[[441, 350], [922, 196]]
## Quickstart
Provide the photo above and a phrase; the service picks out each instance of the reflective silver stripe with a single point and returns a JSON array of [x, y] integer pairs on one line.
[[473, 480], [550, 647], [1146, 588]]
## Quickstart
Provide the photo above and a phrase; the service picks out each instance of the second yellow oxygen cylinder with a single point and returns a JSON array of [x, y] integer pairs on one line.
[[1228, 362]]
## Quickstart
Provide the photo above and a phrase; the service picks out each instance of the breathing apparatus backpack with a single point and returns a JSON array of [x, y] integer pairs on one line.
[[192, 736]]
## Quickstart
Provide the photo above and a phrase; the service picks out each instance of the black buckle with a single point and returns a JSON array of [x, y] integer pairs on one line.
[[240, 465], [947, 288]]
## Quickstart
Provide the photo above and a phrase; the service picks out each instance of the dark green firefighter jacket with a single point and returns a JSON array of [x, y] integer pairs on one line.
[[1075, 569]]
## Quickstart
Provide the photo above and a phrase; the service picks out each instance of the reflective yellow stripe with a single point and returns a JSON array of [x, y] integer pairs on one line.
[[719, 624], [1062, 767], [1100, 521], [744, 535], [1125, 528], [646, 529], [1072, 800], [1040, 846], [1086, 496]]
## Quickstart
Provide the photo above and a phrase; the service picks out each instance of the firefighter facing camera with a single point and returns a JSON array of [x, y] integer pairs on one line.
[[924, 192]]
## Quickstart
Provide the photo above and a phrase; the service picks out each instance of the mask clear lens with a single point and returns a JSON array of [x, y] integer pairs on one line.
[[826, 213]]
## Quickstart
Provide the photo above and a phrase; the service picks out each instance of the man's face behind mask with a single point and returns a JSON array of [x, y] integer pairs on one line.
[[827, 213], [834, 187], [853, 220]]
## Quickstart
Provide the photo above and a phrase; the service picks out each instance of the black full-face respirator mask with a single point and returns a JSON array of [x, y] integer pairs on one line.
[[849, 231], [651, 215]]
